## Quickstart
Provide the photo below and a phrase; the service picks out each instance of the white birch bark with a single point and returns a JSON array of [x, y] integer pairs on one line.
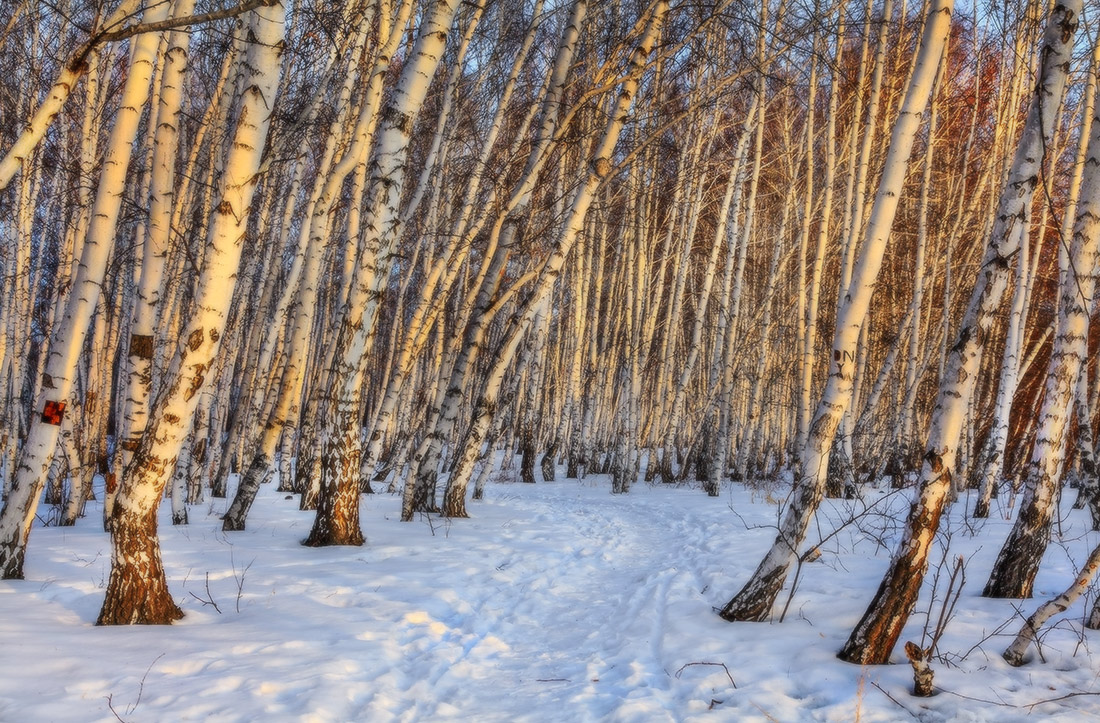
[[440, 278], [755, 600], [1089, 473], [113, 28], [306, 272], [722, 372], [992, 456], [43, 118], [448, 398], [598, 167], [337, 520], [813, 299], [139, 379], [67, 338], [694, 348], [1014, 653], [875, 635], [1014, 572], [137, 590], [905, 435]]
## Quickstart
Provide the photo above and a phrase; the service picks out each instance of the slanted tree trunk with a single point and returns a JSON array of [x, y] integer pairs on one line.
[[873, 638], [904, 436], [992, 456], [308, 264], [755, 600], [1014, 653], [813, 298], [77, 65], [738, 240], [445, 411], [1089, 473], [1018, 562], [137, 591], [138, 386], [337, 519], [597, 169], [67, 338]]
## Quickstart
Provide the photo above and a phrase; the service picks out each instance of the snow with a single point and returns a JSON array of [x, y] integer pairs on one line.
[[555, 602]]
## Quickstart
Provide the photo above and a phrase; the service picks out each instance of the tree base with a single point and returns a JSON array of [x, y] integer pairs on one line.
[[755, 601], [137, 591], [334, 541], [232, 525], [11, 560]]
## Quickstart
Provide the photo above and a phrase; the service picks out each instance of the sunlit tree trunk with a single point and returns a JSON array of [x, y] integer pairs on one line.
[[67, 338], [137, 591], [992, 455], [813, 298], [874, 636], [441, 278], [74, 67], [754, 601], [1089, 477], [1014, 653], [1018, 562], [337, 519], [142, 341], [722, 374], [444, 414], [598, 167], [306, 275]]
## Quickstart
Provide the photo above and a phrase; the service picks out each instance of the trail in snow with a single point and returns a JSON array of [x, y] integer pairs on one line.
[[556, 602]]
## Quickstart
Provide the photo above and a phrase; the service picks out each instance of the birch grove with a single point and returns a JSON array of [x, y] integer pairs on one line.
[[881, 625], [836, 254]]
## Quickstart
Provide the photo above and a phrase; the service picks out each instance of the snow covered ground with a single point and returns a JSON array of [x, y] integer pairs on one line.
[[556, 602]]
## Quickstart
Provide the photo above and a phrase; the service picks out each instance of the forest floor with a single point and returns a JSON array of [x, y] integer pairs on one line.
[[555, 602]]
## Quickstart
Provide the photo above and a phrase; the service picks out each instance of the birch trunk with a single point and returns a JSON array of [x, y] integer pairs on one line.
[[337, 519], [444, 415], [137, 591], [992, 456], [74, 67], [1089, 473], [1014, 653], [67, 337], [755, 600], [306, 273], [598, 167], [1018, 562], [139, 379], [874, 636]]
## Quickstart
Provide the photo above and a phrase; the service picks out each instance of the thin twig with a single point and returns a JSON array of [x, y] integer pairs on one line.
[[115, 712], [896, 701], [141, 685], [722, 665], [1075, 694], [209, 597]]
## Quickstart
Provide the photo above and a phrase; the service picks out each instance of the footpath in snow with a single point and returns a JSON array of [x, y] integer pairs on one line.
[[555, 602]]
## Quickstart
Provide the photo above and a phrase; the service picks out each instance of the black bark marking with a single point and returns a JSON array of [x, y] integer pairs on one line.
[[141, 346]]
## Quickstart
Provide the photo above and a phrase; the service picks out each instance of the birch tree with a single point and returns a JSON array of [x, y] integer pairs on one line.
[[445, 411], [1014, 572], [337, 519], [876, 633], [137, 591], [598, 167], [67, 338], [754, 601]]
